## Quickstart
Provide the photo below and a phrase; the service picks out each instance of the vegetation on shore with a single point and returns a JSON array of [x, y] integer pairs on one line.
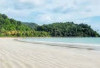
[[68, 29], [12, 28]]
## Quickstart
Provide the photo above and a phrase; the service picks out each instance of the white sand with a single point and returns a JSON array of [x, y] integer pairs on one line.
[[15, 54]]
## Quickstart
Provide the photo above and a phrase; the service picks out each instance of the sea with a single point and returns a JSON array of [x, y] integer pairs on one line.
[[75, 42]]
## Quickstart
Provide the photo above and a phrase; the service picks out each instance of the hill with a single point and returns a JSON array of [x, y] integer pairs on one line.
[[31, 25], [11, 27], [68, 29]]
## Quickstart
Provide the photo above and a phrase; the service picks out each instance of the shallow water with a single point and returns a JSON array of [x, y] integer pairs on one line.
[[82, 43], [66, 40]]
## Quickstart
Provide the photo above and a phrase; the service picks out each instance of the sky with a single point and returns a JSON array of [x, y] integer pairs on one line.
[[50, 11]]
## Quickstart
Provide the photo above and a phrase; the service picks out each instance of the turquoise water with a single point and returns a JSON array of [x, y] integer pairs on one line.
[[66, 40], [81, 43]]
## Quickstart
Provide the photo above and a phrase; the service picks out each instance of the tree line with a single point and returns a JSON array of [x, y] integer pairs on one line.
[[68, 29], [10, 27]]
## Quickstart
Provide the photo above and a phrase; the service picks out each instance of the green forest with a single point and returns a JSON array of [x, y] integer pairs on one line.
[[13, 28]]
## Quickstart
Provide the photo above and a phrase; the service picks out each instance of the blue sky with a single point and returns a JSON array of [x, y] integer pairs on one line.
[[49, 11]]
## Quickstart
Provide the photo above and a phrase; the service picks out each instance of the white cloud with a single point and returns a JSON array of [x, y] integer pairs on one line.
[[35, 2], [47, 11]]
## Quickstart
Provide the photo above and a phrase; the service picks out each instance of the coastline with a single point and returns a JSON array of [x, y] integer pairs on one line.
[[61, 44], [15, 54]]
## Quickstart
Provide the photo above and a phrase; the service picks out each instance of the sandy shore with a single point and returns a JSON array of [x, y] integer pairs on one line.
[[15, 54]]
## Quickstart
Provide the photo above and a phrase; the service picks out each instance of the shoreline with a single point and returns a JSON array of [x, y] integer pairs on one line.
[[69, 45], [15, 54]]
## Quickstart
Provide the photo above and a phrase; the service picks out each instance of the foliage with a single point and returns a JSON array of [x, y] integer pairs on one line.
[[68, 29], [11, 27]]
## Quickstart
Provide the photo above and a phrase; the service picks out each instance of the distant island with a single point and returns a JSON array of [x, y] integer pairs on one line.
[[12, 28]]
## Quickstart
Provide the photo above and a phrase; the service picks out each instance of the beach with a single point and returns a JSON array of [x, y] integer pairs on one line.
[[17, 54]]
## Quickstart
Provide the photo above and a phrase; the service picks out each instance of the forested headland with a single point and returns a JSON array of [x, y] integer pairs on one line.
[[13, 28]]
